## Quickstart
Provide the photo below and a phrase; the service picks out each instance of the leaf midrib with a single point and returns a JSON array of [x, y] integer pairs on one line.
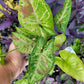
[[63, 12], [37, 66]]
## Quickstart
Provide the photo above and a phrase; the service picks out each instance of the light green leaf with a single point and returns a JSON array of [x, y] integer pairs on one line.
[[71, 64], [63, 16], [59, 40], [35, 16], [1, 57], [23, 43], [41, 61], [24, 32], [22, 81]]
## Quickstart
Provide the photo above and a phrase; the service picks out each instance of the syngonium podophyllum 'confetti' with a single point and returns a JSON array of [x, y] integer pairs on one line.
[[41, 61], [63, 16], [36, 20]]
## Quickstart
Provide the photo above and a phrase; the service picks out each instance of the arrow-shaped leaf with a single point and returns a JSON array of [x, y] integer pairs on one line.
[[35, 16], [23, 43], [71, 64], [59, 40], [41, 61], [63, 16]]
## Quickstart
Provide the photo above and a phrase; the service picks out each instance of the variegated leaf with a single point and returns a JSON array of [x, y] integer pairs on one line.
[[63, 16], [41, 61], [59, 40], [23, 43], [35, 16]]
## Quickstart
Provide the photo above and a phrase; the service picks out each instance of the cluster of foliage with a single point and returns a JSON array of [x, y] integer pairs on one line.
[[38, 38]]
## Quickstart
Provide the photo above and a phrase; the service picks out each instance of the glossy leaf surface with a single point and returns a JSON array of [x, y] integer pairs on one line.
[[63, 16], [35, 16], [71, 64], [59, 40], [41, 61]]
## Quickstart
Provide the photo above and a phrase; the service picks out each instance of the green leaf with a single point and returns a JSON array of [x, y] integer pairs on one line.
[[23, 32], [41, 61], [63, 76], [63, 16], [71, 64], [35, 16], [59, 40], [1, 57], [77, 45], [23, 43], [52, 70], [22, 81]]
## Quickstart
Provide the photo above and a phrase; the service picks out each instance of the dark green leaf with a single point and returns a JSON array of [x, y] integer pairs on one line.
[[63, 16], [41, 61]]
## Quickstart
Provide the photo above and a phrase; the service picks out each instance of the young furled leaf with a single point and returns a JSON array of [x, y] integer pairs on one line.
[[35, 16], [62, 17], [41, 61], [71, 64]]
